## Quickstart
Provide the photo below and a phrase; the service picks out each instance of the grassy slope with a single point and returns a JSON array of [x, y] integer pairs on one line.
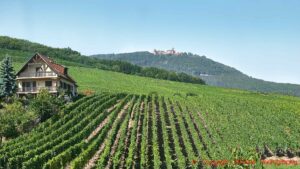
[[99, 80]]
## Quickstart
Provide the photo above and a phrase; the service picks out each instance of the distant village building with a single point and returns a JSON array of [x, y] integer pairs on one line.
[[167, 52], [40, 72]]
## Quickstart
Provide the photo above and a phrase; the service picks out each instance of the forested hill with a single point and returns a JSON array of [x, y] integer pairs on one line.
[[21, 50], [212, 72]]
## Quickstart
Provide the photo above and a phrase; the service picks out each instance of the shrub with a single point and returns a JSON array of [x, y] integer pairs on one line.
[[45, 105], [14, 119]]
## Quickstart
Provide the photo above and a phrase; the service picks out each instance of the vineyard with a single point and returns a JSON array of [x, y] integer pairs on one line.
[[139, 131]]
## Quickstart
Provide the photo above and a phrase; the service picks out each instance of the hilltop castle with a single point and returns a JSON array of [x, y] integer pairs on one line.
[[167, 52]]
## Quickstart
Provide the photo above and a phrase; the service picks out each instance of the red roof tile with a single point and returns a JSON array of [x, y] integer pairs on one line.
[[59, 68]]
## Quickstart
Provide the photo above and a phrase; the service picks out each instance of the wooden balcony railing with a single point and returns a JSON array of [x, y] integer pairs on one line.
[[38, 74], [36, 89]]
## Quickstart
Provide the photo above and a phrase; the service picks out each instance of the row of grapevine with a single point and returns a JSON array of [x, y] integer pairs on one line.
[[11, 150], [170, 136], [192, 139], [159, 136], [112, 139], [142, 155], [40, 130], [77, 152], [37, 157], [127, 160], [149, 149], [168, 143], [50, 133], [119, 147], [124, 147], [70, 132], [208, 136], [140, 128], [182, 138], [192, 127]]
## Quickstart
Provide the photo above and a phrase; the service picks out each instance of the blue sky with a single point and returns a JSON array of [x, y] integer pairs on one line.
[[259, 37]]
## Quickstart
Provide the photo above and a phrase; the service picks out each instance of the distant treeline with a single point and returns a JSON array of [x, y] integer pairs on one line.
[[128, 68], [70, 57]]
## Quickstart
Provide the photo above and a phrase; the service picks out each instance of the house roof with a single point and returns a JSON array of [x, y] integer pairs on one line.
[[57, 68]]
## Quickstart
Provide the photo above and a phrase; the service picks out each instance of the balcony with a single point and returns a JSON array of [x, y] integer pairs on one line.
[[35, 89], [37, 74]]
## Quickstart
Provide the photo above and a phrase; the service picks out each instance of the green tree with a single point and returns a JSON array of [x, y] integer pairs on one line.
[[7, 126], [14, 119], [7, 74], [45, 105]]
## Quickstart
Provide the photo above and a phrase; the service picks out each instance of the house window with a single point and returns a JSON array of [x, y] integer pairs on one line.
[[26, 84], [37, 69], [29, 86], [48, 83], [34, 84]]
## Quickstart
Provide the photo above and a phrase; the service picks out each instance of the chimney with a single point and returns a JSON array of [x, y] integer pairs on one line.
[[66, 71]]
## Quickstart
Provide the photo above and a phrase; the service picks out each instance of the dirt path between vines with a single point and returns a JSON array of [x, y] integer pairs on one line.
[[139, 137], [116, 142], [92, 162], [102, 124], [99, 127], [128, 137]]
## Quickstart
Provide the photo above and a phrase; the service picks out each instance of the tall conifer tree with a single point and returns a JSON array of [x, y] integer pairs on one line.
[[7, 74]]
